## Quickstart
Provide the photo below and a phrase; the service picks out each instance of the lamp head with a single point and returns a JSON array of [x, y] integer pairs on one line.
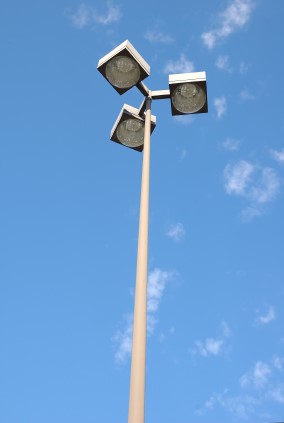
[[129, 127], [123, 67], [188, 93]]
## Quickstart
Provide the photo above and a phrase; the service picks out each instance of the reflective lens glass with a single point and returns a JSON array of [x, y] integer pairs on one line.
[[130, 132], [189, 98], [122, 72]]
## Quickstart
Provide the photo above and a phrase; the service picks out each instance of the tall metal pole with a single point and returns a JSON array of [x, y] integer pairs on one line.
[[138, 362]]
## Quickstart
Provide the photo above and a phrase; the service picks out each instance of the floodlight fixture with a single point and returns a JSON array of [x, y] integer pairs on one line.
[[188, 93], [123, 67], [129, 128]]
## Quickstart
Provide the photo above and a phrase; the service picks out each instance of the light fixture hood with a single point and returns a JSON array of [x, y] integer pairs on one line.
[[123, 67]]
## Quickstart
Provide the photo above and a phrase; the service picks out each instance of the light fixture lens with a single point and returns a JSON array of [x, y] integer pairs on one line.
[[189, 98], [122, 72], [130, 132]]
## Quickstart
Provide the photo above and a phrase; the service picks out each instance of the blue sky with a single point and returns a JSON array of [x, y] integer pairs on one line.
[[70, 203]]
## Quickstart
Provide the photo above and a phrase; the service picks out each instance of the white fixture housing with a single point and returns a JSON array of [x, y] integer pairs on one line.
[[129, 128], [188, 93], [123, 67]]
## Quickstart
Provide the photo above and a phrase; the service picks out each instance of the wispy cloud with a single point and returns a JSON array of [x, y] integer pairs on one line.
[[222, 63], [267, 188], [239, 406], [185, 119], [233, 18], [163, 336], [113, 14], [156, 36], [277, 394], [277, 362], [157, 280], [123, 340], [267, 317], [156, 286], [212, 346], [86, 15], [176, 231], [225, 329], [244, 67], [220, 104], [231, 144], [246, 95], [258, 185], [237, 177], [262, 374], [183, 154], [278, 155], [82, 17], [258, 377], [259, 386], [181, 65]]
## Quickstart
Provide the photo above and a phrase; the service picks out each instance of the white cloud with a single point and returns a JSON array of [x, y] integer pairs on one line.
[[249, 213], [266, 318], [157, 280], [258, 377], [185, 119], [277, 394], [226, 329], [209, 39], [263, 386], [163, 337], [267, 188], [278, 155], [220, 104], [231, 144], [222, 63], [258, 185], [231, 19], [176, 231], [183, 153], [82, 17], [155, 36], [277, 362], [86, 15], [113, 14], [237, 177], [246, 95], [123, 340], [212, 346], [182, 65], [239, 406], [244, 67]]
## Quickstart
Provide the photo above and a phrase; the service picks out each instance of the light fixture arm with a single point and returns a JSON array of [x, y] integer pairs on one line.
[[161, 94], [143, 88], [155, 95]]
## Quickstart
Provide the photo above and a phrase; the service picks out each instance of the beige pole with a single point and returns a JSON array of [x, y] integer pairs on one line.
[[138, 362]]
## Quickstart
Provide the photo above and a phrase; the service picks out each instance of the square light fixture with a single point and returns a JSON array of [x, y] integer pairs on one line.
[[123, 67], [188, 93], [129, 128]]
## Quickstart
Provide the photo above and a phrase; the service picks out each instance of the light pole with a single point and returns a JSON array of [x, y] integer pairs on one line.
[[124, 67]]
